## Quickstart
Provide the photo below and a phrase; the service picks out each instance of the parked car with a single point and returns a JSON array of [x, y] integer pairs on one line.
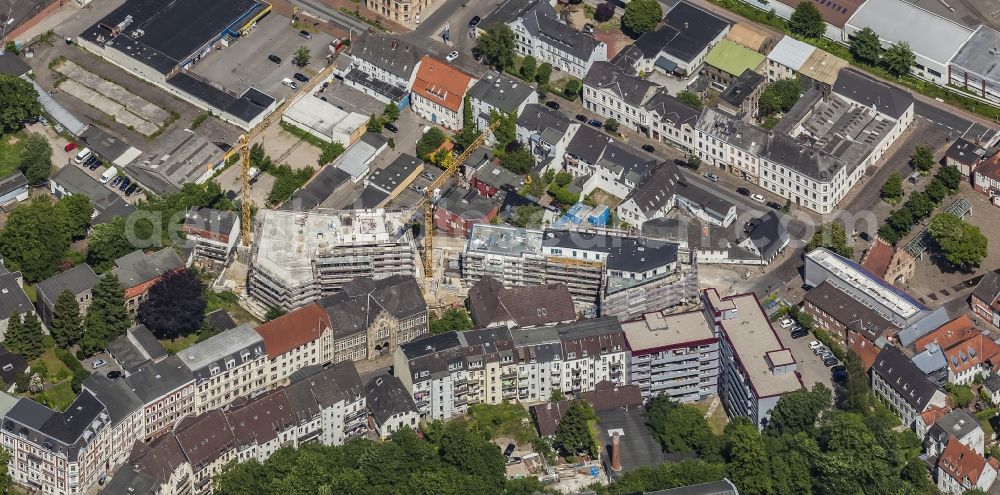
[[648, 148], [451, 56], [389, 126], [798, 334], [131, 190], [815, 345], [474, 21], [831, 362], [786, 322], [509, 450], [513, 460], [588, 28], [837, 368], [581, 117], [839, 376], [428, 176], [742, 191], [596, 123], [758, 198], [125, 183], [300, 77], [710, 176], [98, 363], [90, 160], [274, 58], [821, 350], [115, 181], [96, 164], [552, 104], [306, 34], [69, 147], [114, 375], [770, 304], [773, 205]]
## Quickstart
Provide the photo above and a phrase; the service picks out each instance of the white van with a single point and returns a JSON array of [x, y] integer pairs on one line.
[[109, 174], [83, 155], [290, 83]]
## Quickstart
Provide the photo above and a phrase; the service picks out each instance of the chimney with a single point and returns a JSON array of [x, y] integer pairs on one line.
[[616, 453]]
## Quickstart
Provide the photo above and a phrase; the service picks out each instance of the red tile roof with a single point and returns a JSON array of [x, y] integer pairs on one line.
[[990, 168], [933, 414], [975, 350], [878, 257], [864, 348], [441, 83], [949, 334], [301, 326], [960, 462]]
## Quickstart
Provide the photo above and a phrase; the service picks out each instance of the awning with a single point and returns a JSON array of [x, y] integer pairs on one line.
[[665, 64]]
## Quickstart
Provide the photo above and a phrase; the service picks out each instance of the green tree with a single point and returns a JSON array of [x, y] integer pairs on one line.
[[506, 132], [611, 125], [24, 335], [287, 181], [799, 410], [497, 45], [527, 216], [375, 124], [5, 480], [642, 16], [451, 319], [302, 56], [430, 142], [792, 457], [779, 97], [519, 161], [899, 58], [391, 112], [747, 462], [556, 395], [950, 177], [866, 47], [856, 393], [470, 128], [572, 88], [681, 428], [920, 205], [922, 158], [544, 73], [961, 244], [832, 237], [20, 103], [665, 476], [892, 190], [689, 98], [107, 243], [853, 461], [36, 159], [78, 212], [67, 324], [106, 317], [573, 435], [528, 68], [35, 239], [806, 21], [175, 305]]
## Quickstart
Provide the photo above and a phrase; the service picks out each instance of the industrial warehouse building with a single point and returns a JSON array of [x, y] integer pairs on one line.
[[158, 41]]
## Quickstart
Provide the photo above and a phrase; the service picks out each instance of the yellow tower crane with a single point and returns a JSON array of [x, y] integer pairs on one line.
[[450, 165], [243, 148]]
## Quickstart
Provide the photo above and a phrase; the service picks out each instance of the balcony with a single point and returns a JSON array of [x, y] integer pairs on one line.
[[355, 415]]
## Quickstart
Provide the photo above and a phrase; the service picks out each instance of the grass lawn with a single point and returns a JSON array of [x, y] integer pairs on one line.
[[10, 152], [718, 420], [30, 291], [58, 397], [55, 366], [504, 420], [230, 303], [602, 197], [173, 346]]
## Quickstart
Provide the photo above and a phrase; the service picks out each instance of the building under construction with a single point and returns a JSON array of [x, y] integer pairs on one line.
[[299, 257], [606, 273]]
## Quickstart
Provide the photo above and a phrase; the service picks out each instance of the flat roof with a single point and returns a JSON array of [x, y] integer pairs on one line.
[[754, 341], [978, 55], [171, 31], [863, 280], [733, 58], [791, 52], [219, 346], [937, 38], [822, 66], [508, 241], [659, 331], [835, 12]]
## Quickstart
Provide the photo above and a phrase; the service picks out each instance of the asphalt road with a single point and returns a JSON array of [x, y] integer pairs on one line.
[[949, 120]]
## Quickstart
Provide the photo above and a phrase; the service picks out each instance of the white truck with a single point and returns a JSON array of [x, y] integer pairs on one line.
[[109, 174]]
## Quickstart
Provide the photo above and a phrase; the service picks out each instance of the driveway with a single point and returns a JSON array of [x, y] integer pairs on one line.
[[808, 364]]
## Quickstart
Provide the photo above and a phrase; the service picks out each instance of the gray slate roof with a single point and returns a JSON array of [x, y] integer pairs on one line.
[[395, 56], [211, 220], [500, 91], [136, 348], [556, 34], [12, 296], [671, 109], [12, 65], [157, 379], [130, 481], [988, 288], [904, 377], [231, 344], [531, 305], [137, 267], [116, 395], [77, 280], [868, 91], [13, 182], [769, 236], [359, 302], [627, 254], [387, 397], [632, 89], [957, 423]]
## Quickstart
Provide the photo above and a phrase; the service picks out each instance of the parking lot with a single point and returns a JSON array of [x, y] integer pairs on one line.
[[245, 63], [809, 365], [349, 99]]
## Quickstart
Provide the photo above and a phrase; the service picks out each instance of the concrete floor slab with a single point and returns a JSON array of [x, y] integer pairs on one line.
[[110, 107]]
